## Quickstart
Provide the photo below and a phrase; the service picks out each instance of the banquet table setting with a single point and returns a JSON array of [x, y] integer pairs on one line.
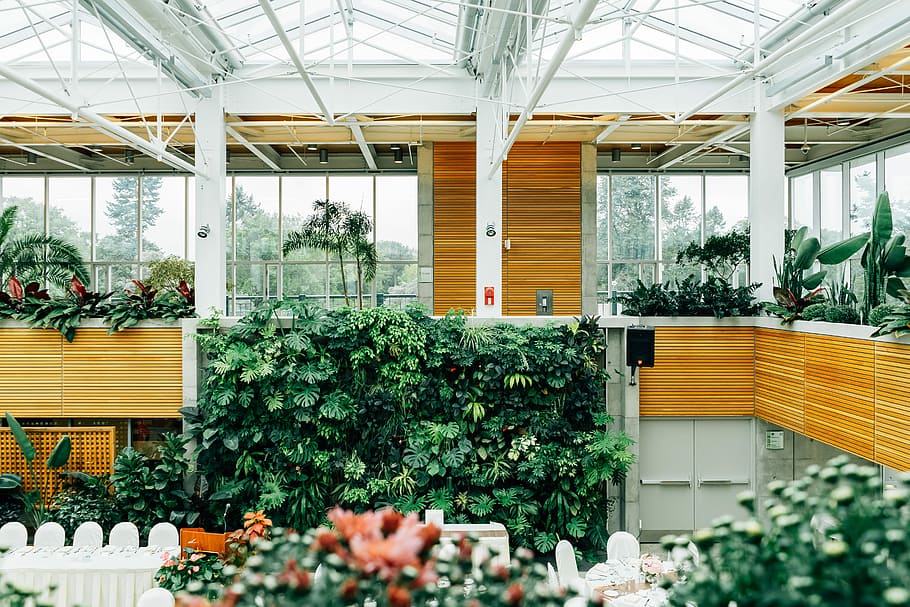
[[87, 576], [620, 583]]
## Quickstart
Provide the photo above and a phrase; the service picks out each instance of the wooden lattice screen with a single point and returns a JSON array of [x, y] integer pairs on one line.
[[93, 451]]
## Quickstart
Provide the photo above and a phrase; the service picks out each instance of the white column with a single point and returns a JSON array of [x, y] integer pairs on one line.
[[210, 204], [767, 197], [488, 206]]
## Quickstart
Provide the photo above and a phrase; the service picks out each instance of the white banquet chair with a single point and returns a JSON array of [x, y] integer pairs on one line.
[[88, 533], [156, 597], [164, 534], [552, 578], [124, 534], [566, 565], [13, 535], [50, 535], [622, 545]]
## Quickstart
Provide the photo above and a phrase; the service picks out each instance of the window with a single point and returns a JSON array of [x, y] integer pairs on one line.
[[832, 205], [27, 195], [69, 212], [802, 202], [897, 184], [726, 203], [680, 223], [862, 194], [163, 217]]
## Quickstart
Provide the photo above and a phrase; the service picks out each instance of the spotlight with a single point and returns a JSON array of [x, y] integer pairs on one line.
[[323, 156], [31, 158], [96, 148], [129, 156], [311, 147], [842, 122], [616, 154], [636, 146], [805, 149], [398, 155], [395, 146], [203, 231]]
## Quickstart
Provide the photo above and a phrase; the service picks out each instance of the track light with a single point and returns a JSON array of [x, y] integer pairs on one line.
[[842, 122], [395, 146], [323, 156], [398, 155], [129, 156], [31, 158], [636, 146], [311, 147], [616, 154]]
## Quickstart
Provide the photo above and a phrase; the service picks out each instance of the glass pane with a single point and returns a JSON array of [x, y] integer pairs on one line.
[[249, 284], [117, 218], [726, 203], [832, 205], [862, 194], [297, 197], [396, 218], [27, 195], [337, 292], [673, 273], [70, 211], [625, 277], [603, 218], [163, 217], [191, 220], [897, 184], [256, 209], [304, 279], [801, 201], [680, 215], [634, 206], [397, 281], [357, 192], [114, 277]]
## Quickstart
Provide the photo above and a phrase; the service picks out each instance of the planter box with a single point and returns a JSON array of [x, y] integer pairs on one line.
[[203, 541]]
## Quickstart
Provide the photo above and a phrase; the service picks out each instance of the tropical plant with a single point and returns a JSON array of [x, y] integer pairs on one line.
[[35, 511], [85, 498], [357, 228], [833, 537], [884, 256], [169, 272], [145, 303], [720, 255], [64, 313], [37, 257], [691, 297], [897, 321], [879, 313], [794, 290], [191, 568]]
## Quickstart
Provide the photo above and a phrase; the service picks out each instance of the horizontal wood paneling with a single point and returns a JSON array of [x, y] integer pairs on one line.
[[132, 373], [31, 378], [892, 405], [780, 378], [840, 392], [700, 371], [454, 227], [542, 220]]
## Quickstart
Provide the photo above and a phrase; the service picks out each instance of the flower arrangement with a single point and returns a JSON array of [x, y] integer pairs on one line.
[[255, 526], [651, 567], [835, 537], [181, 570], [380, 559]]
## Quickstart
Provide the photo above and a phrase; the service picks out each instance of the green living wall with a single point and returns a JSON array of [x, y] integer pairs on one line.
[[384, 407]]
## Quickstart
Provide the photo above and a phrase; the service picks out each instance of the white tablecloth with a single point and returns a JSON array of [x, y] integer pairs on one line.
[[492, 540], [87, 577], [618, 573]]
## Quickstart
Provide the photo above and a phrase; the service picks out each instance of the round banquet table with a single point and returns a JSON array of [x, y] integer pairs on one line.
[[110, 576]]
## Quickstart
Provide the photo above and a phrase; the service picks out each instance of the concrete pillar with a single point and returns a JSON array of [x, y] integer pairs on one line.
[[425, 225], [210, 204], [491, 124], [767, 196], [623, 407], [588, 228]]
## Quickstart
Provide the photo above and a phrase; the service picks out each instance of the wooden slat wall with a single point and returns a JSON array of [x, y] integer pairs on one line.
[[542, 219], [93, 452], [132, 373], [780, 378], [454, 227], [31, 378], [840, 392], [700, 371], [892, 405]]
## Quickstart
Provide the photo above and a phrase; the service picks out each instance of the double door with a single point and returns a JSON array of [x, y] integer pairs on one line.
[[691, 472]]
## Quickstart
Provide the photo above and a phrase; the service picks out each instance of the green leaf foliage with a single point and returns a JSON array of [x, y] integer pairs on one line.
[[22, 439], [389, 407], [690, 297]]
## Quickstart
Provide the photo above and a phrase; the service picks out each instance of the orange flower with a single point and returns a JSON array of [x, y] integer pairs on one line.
[[351, 525], [430, 535], [390, 520], [398, 596], [326, 540], [348, 589], [294, 576], [514, 594]]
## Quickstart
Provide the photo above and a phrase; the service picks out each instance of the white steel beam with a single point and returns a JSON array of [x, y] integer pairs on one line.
[[583, 10], [368, 154], [270, 160], [40, 152], [114, 130], [726, 136], [295, 58], [606, 132]]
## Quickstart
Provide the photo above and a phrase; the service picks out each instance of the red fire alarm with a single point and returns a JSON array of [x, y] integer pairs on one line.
[[488, 298]]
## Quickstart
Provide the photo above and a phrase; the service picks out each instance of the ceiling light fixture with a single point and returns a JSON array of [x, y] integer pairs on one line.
[[398, 155], [636, 146], [311, 147], [227, 157], [323, 156], [31, 158], [129, 156], [395, 146], [616, 154], [842, 122]]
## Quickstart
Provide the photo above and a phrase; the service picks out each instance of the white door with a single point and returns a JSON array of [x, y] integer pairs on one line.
[[691, 471]]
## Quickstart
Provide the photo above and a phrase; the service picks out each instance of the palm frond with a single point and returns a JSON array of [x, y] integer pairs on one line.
[[43, 258]]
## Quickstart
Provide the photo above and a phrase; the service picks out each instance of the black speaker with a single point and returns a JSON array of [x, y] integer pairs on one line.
[[640, 346]]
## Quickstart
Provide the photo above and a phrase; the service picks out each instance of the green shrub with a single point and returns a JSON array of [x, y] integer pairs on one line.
[[879, 313], [815, 311], [88, 498], [843, 313], [691, 297]]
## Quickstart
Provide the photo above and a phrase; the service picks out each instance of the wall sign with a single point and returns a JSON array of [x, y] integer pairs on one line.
[[774, 440]]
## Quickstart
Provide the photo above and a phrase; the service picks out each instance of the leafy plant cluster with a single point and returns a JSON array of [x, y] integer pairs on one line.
[[720, 255], [832, 537], [690, 297], [385, 407], [33, 305]]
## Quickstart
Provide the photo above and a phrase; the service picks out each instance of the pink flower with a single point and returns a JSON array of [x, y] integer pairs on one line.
[[166, 556], [195, 557], [168, 563], [181, 567], [651, 565], [195, 568]]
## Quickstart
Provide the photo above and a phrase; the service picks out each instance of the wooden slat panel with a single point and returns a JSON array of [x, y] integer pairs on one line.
[[780, 378], [700, 371], [30, 377], [132, 373], [840, 392], [542, 220], [93, 451], [454, 226], [892, 405]]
